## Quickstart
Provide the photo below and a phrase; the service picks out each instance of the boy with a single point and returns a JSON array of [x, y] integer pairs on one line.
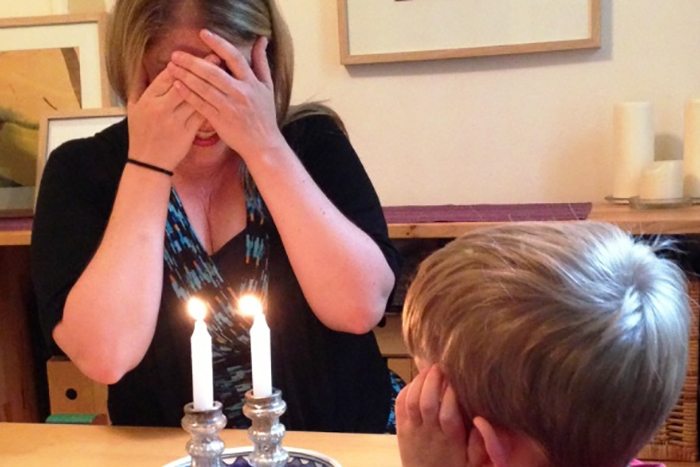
[[541, 345]]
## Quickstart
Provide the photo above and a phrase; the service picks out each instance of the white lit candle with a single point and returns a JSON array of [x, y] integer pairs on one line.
[[202, 370], [259, 346]]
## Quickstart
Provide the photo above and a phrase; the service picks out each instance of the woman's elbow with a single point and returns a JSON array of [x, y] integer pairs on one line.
[[105, 366], [367, 312], [365, 315], [102, 374]]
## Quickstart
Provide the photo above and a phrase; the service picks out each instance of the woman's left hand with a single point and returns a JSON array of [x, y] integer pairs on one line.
[[241, 105]]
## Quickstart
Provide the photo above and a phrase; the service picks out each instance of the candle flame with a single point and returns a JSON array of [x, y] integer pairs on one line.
[[197, 309], [250, 305]]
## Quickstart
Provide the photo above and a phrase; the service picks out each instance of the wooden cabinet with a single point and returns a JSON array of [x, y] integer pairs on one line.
[[71, 392], [393, 349], [18, 389]]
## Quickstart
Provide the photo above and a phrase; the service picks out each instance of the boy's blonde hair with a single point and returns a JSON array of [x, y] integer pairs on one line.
[[575, 335]]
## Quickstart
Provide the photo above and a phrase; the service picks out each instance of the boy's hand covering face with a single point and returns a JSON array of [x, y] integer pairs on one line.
[[430, 426]]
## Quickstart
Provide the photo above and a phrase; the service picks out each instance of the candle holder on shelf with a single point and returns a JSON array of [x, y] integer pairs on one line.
[[205, 447], [266, 432]]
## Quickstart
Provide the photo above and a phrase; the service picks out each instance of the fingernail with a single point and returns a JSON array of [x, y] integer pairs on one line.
[[207, 33]]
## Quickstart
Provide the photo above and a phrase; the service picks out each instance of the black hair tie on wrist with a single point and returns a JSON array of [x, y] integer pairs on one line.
[[149, 166]]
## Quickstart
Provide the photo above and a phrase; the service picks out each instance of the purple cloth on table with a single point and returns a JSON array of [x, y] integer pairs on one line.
[[15, 224], [487, 213]]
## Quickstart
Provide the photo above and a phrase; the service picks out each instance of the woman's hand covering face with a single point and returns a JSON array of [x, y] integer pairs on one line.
[[162, 124], [240, 106]]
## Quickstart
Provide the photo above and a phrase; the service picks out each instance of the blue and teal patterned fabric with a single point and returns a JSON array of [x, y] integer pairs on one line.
[[192, 272]]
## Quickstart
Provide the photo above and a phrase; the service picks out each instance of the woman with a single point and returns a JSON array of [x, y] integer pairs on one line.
[[213, 187]]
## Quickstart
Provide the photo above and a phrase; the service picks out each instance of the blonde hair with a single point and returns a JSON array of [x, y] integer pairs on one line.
[[575, 335], [135, 25]]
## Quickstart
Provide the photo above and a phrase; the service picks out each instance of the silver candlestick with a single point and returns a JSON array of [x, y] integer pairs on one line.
[[205, 447], [266, 432]]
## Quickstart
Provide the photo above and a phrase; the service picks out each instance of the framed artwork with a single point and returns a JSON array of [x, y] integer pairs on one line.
[[47, 64], [380, 31], [58, 127]]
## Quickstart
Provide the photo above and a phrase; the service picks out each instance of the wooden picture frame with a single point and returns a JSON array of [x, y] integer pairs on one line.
[[383, 31], [85, 31], [58, 127], [84, 35]]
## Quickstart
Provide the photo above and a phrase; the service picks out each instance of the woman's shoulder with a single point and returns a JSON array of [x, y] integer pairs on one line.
[[105, 152], [90, 165], [112, 142], [311, 121]]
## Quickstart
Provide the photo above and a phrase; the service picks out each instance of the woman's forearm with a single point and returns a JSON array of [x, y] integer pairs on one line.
[[111, 312], [341, 270]]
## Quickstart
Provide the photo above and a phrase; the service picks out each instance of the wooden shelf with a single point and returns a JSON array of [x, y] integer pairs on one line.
[[680, 221], [19, 238], [654, 221], [16, 231], [389, 338]]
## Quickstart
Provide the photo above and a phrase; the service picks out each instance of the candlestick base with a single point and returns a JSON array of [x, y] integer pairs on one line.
[[205, 447], [240, 457], [266, 432]]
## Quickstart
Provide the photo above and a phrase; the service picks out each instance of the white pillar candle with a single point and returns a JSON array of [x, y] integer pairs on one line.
[[260, 351], [662, 180], [202, 369], [691, 149], [633, 128]]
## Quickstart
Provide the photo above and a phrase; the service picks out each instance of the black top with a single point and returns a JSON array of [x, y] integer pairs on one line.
[[331, 381]]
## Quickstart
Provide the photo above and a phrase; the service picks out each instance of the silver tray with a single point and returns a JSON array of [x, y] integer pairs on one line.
[[238, 457], [613, 200], [639, 203]]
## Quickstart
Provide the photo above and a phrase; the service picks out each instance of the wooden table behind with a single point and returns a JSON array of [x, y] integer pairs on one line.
[[682, 221], [656, 221]]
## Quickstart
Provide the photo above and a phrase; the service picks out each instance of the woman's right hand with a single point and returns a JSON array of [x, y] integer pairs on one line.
[[162, 125]]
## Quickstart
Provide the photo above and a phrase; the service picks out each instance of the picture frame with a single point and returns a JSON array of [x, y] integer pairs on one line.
[[83, 35], [57, 128], [385, 31]]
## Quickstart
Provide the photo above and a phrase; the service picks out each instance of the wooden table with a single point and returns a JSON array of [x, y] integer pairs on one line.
[[33, 445]]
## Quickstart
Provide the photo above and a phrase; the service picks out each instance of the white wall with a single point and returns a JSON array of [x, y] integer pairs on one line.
[[528, 128], [15, 8]]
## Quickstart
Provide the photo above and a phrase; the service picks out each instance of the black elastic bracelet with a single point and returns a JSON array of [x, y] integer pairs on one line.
[[150, 166]]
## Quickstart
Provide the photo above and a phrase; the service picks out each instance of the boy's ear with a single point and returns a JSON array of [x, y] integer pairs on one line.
[[488, 447]]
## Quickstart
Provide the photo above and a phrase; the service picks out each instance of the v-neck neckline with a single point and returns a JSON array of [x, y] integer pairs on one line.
[[186, 222]]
